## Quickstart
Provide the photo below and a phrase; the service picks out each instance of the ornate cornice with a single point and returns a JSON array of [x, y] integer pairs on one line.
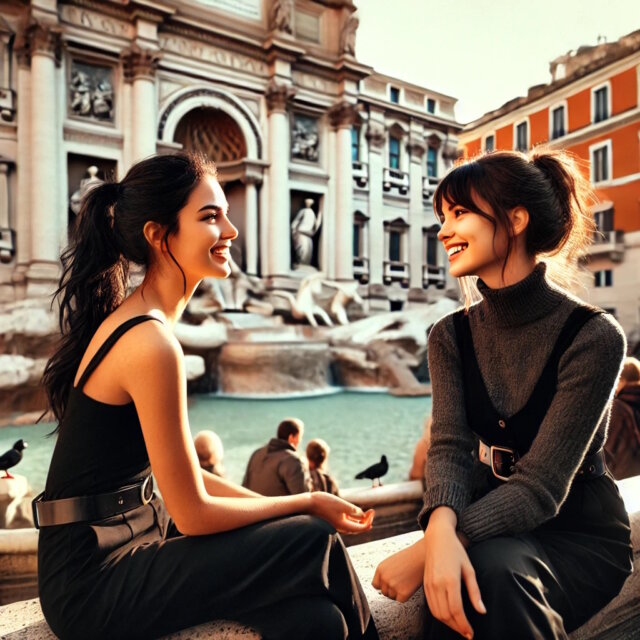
[[376, 135], [139, 63], [44, 39], [344, 114], [278, 96], [416, 147]]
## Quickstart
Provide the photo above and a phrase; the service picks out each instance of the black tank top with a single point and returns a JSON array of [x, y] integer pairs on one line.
[[519, 430], [100, 446]]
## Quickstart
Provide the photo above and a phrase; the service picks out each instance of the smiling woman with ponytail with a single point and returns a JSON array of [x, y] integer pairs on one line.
[[525, 534], [114, 560]]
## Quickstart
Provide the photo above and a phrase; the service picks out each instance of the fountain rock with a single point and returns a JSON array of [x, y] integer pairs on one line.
[[15, 503], [29, 328], [208, 335], [272, 368], [195, 367]]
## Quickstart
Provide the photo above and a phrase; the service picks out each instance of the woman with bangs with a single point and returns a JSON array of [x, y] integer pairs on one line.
[[525, 534]]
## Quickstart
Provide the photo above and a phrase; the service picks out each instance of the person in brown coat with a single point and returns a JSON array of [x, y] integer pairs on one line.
[[276, 469], [622, 448]]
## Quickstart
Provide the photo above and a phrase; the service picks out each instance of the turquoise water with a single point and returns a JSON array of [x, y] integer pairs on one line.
[[359, 428]]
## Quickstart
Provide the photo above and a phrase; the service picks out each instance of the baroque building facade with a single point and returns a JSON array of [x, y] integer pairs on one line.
[[592, 108], [327, 165]]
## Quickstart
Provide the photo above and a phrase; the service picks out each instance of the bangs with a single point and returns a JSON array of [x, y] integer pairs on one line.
[[458, 187]]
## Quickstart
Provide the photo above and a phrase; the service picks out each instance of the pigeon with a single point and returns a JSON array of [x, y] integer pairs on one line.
[[375, 471], [12, 457]]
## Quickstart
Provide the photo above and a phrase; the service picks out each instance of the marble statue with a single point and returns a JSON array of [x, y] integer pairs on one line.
[[304, 304], [86, 184], [345, 293], [282, 16], [348, 35], [303, 229]]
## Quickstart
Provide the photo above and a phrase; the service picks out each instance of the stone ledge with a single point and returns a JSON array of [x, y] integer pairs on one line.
[[620, 620]]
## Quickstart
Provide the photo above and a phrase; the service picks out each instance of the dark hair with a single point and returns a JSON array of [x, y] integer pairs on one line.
[[630, 370], [317, 452], [289, 427], [547, 183], [108, 234]]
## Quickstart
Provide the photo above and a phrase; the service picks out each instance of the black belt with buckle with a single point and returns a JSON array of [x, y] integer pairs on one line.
[[48, 513], [502, 461]]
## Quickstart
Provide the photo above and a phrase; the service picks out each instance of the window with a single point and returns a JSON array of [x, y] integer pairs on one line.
[[600, 163], [557, 127], [603, 278], [355, 144], [489, 143], [432, 248], [394, 153], [522, 142], [394, 246], [432, 162], [356, 239], [604, 220], [601, 104], [431, 105], [394, 95]]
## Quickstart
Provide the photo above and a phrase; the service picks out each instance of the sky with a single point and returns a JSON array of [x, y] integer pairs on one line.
[[483, 52]]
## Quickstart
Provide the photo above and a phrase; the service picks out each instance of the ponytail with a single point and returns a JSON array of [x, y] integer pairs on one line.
[[109, 234], [93, 283]]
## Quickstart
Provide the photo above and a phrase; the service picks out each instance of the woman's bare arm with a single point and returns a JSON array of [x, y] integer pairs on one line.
[[156, 382]]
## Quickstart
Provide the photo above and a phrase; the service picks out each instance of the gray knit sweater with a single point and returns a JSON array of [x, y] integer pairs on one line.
[[514, 330]]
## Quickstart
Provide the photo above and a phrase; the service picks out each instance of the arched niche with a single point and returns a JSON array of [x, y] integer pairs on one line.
[[180, 103]]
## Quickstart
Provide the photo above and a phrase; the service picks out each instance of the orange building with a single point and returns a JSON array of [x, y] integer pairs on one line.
[[592, 108]]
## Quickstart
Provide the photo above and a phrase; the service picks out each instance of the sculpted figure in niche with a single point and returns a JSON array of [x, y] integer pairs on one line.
[[303, 229], [348, 35], [102, 100], [80, 93], [281, 16]]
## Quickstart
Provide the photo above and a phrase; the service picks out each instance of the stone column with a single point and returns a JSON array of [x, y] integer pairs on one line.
[[342, 117], [251, 224], [140, 68], [416, 149], [275, 231], [43, 272], [23, 161], [376, 140]]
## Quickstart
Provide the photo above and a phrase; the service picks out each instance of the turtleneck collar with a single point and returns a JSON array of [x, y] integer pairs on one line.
[[520, 303]]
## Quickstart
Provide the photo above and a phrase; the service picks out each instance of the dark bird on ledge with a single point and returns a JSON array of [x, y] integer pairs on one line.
[[375, 471], [12, 457]]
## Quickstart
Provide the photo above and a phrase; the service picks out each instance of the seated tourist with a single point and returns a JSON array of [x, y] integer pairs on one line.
[[276, 469], [622, 448], [210, 452], [114, 559], [318, 456]]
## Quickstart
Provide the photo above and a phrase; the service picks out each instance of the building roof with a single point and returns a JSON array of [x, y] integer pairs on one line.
[[566, 69]]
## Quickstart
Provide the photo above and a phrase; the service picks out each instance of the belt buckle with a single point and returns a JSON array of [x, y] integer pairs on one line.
[[502, 469], [34, 509], [148, 482]]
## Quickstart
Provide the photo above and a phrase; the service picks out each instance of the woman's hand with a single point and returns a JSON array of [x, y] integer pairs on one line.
[[446, 562], [344, 516], [399, 576]]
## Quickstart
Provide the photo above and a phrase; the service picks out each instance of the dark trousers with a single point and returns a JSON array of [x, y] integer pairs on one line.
[[545, 584], [287, 578]]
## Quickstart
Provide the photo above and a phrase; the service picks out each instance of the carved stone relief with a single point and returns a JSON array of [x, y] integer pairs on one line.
[[96, 21], [91, 92], [208, 53], [310, 81], [348, 35], [305, 138]]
